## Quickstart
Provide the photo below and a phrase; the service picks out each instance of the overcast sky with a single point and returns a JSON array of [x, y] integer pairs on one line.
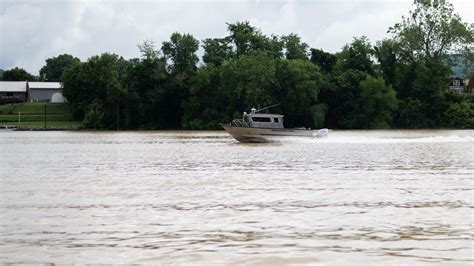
[[34, 30]]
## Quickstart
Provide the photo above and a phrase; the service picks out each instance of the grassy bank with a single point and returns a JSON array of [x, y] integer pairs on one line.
[[57, 115]]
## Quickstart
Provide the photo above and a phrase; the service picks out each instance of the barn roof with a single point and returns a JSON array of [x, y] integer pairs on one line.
[[12, 86], [44, 85]]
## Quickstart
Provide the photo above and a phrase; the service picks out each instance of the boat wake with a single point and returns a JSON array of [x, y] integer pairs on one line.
[[335, 139]]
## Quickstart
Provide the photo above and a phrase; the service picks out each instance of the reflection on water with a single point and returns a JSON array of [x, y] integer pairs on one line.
[[392, 197]]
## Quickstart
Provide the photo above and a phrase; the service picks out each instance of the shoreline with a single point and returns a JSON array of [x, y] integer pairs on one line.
[[62, 128]]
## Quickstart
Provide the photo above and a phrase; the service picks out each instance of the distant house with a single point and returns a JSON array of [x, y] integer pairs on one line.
[[470, 85], [460, 66], [456, 84], [45, 92], [13, 91]]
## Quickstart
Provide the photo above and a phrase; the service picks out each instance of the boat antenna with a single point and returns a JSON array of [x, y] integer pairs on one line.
[[266, 107]]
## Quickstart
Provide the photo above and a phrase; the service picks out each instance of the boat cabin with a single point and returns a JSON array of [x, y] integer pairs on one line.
[[258, 120]]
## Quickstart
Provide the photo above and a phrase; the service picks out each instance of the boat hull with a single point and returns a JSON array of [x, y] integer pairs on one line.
[[250, 134]]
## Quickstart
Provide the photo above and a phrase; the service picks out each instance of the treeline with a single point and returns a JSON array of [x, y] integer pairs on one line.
[[398, 82]]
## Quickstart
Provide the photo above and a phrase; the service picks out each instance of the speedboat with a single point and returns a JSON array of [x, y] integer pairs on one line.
[[263, 127]]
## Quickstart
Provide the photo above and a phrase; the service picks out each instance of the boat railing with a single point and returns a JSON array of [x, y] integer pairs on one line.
[[239, 123]]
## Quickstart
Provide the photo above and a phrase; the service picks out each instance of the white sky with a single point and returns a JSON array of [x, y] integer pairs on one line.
[[33, 30]]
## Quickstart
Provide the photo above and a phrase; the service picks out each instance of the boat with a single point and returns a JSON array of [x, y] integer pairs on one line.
[[264, 127]]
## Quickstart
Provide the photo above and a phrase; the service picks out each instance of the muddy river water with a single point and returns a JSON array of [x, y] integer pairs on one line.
[[357, 197]]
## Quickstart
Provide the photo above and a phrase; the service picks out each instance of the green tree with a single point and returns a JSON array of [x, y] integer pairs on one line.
[[181, 50], [410, 114], [346, 99], [93, 88], [325, 61], [416, 62], [295, 49], [147, 80], [247, 38], [359, 97], [357, 56], [299, 82], [377, 103], [249, 81], [460, 115], [94, 116], [208, 103], [17, 74], [388, 55], [148, 50], [216, 51], [469, 70], [432, 30], [364, 101], [420, 86], [55, 66]]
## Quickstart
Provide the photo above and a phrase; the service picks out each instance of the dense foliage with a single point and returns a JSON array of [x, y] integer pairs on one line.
[[399, 82], [55, 67], [17, 74]]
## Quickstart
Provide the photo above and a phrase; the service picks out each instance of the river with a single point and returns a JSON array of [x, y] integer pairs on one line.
[[357, 197]]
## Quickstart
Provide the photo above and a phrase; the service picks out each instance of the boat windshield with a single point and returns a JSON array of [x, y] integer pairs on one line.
[[261, 119]]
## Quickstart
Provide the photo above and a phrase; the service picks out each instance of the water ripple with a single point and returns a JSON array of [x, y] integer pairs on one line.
[[358, 197]]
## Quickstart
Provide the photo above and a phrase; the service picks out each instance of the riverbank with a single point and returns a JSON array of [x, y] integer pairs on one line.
[[37, 116], [77, 126], [58, 116]]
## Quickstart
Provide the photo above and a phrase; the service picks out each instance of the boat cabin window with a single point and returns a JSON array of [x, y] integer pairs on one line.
[[261, 119], [276, 120]]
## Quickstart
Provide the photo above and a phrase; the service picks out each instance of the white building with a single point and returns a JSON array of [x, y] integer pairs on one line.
[[45, 92], [13, 91]]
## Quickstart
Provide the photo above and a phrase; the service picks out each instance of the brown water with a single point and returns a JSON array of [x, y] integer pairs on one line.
[[357, 197]]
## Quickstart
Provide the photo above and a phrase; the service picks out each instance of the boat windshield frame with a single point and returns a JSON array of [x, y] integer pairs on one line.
[[258, 120]]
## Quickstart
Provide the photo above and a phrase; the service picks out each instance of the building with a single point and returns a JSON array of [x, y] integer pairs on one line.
[[461, 66], [456, 84], [470, 85], [45, 92], [13, 91]]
